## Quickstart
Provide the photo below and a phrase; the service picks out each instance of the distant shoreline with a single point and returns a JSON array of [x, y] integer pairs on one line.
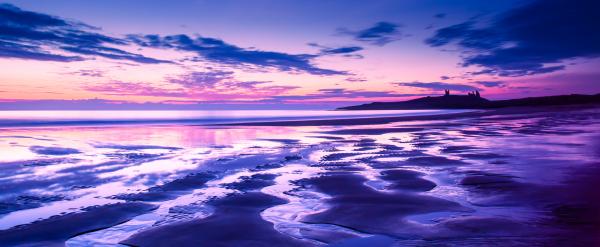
[[386, 120]]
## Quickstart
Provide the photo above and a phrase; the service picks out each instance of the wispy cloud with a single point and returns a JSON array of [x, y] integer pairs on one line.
[[218, 51], [37, 36], [438, 86], [88, 73], [206, 85], [135, 89], [342, 50], [379, 34], [499, 84], [223, 84], [347, 95], [532, 39]]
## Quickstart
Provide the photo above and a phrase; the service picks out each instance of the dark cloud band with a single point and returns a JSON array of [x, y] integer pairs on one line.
[[532, 39], [379, 34], [36, 36]]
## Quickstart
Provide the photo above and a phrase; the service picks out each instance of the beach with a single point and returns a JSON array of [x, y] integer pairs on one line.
[[505, 177]]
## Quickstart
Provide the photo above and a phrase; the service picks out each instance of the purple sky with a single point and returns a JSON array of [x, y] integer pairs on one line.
[[290, 54]]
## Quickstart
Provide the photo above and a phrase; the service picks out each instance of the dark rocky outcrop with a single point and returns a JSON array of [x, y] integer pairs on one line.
[[475, 101]]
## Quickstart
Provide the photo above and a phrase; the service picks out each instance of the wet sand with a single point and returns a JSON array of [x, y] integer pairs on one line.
[[56, 230], [510, 177]]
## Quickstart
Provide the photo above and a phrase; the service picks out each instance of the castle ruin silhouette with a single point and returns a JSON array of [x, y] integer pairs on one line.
[[471, 94]]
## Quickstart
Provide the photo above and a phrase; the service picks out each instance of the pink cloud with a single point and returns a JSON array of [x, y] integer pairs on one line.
[[211, 85]]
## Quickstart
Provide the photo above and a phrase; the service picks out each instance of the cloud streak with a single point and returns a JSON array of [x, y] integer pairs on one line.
[[497, 84], [218, 51], [335, 94], [341, 50], [438, 86], [36, 36], [88, 73], [134, 89], [379, 34], [207, 85]]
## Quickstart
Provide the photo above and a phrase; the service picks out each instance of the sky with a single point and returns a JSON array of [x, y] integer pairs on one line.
[[242, 54]]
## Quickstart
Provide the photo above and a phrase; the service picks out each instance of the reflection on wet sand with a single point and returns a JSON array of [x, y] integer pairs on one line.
[[503, 180]]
